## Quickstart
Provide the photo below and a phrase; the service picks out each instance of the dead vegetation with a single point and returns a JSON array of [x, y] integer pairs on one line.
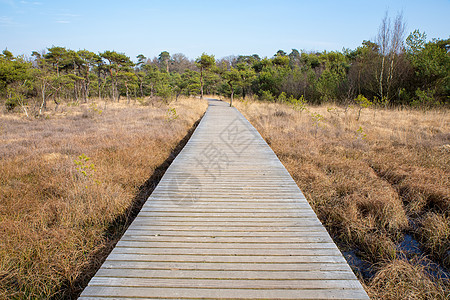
[[372, 182], [69, 182]]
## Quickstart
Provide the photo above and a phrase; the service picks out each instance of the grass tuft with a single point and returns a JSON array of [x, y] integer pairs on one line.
[[406, 280]]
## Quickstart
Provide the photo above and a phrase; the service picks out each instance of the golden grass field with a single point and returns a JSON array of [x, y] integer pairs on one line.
[[71, 182], [372, 182]]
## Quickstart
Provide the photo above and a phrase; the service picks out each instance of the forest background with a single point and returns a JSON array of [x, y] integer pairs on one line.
[[394, 69]]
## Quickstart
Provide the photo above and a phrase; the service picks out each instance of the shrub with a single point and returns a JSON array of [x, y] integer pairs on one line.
[[282, 98], [267, 96]]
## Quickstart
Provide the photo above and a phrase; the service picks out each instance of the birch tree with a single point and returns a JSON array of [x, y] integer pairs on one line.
[[390, 44]]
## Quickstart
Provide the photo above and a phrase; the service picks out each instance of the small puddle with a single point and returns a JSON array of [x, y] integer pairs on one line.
[[409, 248], [435, 270], [358, 265]]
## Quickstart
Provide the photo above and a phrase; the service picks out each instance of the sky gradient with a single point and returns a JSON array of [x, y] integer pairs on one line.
[[221, 28]]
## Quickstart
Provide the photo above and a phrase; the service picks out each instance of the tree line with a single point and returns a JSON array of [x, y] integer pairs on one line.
[[391, 70]]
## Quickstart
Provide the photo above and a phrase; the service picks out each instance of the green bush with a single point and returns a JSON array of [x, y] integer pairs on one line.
[[282, 98], [425, 99], [267, 96]]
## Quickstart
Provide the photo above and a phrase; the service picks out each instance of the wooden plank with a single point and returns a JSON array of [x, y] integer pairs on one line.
[[150, 244], [221, 205], [203, 227], [227, 251], [191, 233], [215, 215], [226, 283], [338, 268], [227, 258], [183, 293], [202, 199], [260, 197], [225, 222], [248, 223], [211, 210], [229, 274], [227, 239], [236, 218]]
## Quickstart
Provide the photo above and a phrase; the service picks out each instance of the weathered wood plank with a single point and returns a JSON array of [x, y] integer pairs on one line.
[[203, 227], [229, 274], [191, 233], [226, 283], [248, 223], [147, 244], [227, 239], [214, 215], [227, 258], [260, 267], [183, 293], [211, 210], [227, 251]]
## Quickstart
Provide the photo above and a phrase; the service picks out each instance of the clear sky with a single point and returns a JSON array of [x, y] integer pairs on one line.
[[222, 28]]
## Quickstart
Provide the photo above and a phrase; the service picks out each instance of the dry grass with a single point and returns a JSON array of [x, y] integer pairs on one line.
[[405, 280], [69, 183], [370, 182], [434, 233]]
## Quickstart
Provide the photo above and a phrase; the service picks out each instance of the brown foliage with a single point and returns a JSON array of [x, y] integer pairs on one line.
[[68, 184], [369, 180], [400, 279]]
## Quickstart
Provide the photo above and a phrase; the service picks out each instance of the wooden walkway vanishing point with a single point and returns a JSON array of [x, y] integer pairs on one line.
[[226, 221]]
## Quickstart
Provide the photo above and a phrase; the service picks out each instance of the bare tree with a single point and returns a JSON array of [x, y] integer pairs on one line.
[[397, 47], [383, 44], [180, 63], [390, 45]]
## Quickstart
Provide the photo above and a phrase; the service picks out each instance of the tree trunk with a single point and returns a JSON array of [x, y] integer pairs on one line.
[[359, 114], [44, 100], [390, 75], [380, 88], [359, 81], [83, 90], [116, 88], [75, 90], [128, 97], [24, 108], [86, 95], [75, 83], [113, 96], [56, 103], [86, 87], [99, 81], [201, 83], [232, 94]]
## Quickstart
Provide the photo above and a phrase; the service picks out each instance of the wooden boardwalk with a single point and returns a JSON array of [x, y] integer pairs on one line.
[[226, 221]]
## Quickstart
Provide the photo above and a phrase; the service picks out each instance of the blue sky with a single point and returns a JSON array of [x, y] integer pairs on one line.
[[221, 28]]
